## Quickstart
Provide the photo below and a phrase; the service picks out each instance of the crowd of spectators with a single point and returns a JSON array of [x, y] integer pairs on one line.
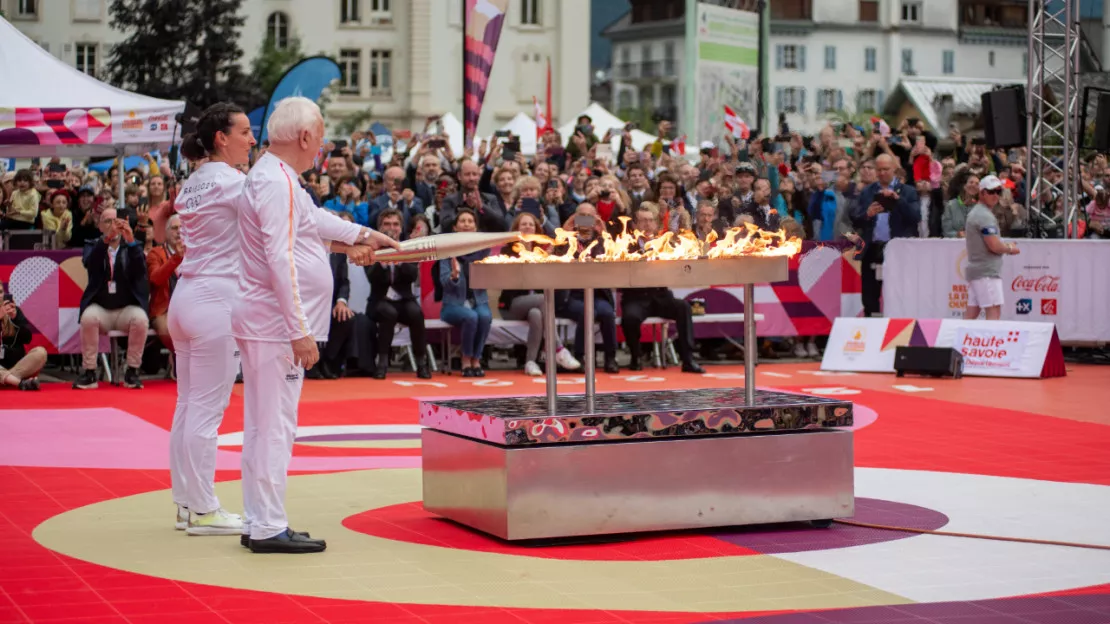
[[863, 185]]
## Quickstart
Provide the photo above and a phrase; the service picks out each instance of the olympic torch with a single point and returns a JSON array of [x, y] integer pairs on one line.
[[443, 246]]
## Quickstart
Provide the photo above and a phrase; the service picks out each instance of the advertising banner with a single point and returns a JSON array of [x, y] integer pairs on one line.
[[1054, 281], [726, 69], [989, 348]]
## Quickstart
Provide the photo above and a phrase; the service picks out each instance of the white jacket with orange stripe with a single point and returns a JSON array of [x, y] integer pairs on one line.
[[285, 280]]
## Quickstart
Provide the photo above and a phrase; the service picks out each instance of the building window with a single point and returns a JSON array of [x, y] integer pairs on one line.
[[530, 12], [624, 100], [669, 68], [790, 56], [911, 12], [668, 96], [791, 9], [349, 12], [86, 10], [348, 70], [948, 62], [990, 58], [381, 71], [277, 29], [866, 100], [868, 10], [830, 57], [85, 60], [647, 97], [828, 100], [379, 8], [791, 100], [27, 8], [869, 59], [907, 61]]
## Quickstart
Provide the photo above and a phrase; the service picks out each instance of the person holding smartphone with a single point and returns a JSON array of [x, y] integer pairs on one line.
[[19, 368], [570, 304]]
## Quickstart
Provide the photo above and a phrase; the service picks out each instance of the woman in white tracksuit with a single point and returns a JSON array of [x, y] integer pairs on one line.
[[200, 314]]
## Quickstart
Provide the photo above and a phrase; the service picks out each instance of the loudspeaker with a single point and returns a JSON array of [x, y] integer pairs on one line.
[[1004, 117], [1102, 122], [932, 361]]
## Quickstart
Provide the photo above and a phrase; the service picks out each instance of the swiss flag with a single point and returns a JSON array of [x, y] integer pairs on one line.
[[735, 125], [678, 146]]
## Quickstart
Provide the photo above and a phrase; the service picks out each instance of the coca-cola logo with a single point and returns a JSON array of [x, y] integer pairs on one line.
[[1044, 283]]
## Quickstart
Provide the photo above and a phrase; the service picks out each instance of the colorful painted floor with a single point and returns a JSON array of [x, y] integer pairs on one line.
[[86, 530]]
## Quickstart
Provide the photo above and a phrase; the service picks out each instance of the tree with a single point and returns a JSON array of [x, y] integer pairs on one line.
[[272, 62], [181, 49]]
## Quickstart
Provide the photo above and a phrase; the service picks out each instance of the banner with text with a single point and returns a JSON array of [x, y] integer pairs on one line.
[[1056, 281]]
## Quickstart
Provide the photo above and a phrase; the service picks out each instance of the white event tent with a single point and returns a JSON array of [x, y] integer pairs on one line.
[[48, 108]]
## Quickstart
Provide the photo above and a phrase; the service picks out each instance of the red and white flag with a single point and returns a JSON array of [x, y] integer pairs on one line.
[[542, 122], [735, 125], [678, 146]]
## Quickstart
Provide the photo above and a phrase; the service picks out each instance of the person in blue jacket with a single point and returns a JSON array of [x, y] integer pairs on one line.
[[463, 306]]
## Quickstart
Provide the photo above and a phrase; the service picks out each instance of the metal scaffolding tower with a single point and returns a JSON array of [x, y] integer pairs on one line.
[[1052, 103]]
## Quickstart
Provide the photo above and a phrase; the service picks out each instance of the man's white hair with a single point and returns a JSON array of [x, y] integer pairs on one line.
[[291, 117]]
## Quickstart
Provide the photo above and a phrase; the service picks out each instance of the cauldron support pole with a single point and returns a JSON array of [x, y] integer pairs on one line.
[[588, 328], [550, 340], [749, 343]]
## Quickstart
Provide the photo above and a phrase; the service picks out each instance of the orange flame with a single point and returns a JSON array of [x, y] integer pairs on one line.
[[747, 240]]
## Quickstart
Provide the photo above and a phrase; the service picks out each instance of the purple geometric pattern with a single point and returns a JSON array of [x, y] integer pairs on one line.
[[1081, 609], [795, 537]]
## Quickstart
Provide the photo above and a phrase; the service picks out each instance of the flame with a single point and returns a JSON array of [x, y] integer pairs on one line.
[[746, 240]]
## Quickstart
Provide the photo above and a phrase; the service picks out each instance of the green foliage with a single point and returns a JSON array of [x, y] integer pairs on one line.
[[358, 120], [643, 116], [272, 62], [183, 50]]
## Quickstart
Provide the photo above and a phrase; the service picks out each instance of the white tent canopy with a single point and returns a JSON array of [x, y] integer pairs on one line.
[[604, 121], [525, 127], [48, 108]]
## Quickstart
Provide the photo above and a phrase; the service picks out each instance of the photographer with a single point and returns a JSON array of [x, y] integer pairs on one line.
[[887, 209], [18, 368], [570, 304]]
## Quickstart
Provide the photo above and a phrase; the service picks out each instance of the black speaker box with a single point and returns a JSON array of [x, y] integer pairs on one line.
[[931, 361], [1004, 117], [1102, 123]]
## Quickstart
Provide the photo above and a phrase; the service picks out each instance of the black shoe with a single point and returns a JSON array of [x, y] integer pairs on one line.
[[87, 381], [478, 371], [634, 365], [325, 370], [131, 379], [611, 367], [468, 372], [316, 372], [423, 372], [289, 542], [245, 539], [692, 367], [29, 384]]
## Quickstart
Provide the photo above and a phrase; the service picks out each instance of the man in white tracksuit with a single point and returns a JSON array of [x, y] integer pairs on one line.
[[285, 283]]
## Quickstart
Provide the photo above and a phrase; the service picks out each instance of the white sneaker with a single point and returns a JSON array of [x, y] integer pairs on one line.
[[567, 360], [811, 348], [217, 522], [182, 518], [800, 351], [532, 369]]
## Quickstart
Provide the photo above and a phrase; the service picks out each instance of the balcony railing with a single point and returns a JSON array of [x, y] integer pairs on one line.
[[644, 70]]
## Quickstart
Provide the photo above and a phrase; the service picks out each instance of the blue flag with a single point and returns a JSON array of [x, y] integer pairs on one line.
[[308, 78], [255, 117]]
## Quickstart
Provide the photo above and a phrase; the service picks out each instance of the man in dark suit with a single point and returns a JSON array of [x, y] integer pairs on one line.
[[639, 303], [759, 209], [116, 298], [491, 218], [393, 300], [886, 209]]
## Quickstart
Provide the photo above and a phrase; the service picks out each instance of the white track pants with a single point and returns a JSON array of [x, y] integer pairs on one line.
[[271, 391], [207, 363]]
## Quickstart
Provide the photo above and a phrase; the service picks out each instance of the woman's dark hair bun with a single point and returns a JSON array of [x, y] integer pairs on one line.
[[215, 118], [192, 148]]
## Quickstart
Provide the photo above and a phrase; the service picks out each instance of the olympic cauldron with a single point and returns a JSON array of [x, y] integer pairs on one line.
[[586, 464]]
